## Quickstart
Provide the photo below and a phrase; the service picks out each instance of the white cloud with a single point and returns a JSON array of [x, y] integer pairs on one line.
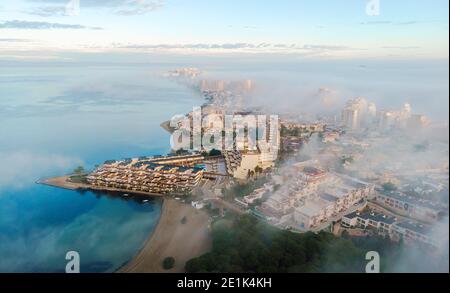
[[20, 168], [48, 8], [40, 25]]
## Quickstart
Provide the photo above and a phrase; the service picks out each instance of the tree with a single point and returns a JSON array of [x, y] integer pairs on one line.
[[79, 170], [258, 170], [389, 187], [214, 153], [168, 263], [181, 152]]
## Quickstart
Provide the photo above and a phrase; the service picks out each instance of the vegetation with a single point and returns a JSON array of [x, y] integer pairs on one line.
[[347, 160], [241, 190], [79, 170], [214, 152], [284, 131], [79, 175], [389, 187], [184, 220], [168, 263], [247, 245], [422, 147], [181, 152], [78, 179]]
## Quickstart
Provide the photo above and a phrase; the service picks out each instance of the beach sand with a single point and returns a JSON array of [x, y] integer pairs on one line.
[[63, 182], [171, 238]]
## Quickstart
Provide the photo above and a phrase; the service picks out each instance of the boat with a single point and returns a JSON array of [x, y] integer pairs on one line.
[[126, 195], [145, 201]]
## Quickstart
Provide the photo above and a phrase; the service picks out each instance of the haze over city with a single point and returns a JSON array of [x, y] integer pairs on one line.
[[224, 136]]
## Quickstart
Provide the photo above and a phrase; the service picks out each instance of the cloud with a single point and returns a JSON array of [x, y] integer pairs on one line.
[[385, 22], [120, 7], [46, 11], [134, 7], [88, 228], [22, 24], [235, 46], [22, 167], [376, 22], [407, 23], [7, 40], [325, 47], [401, 47]]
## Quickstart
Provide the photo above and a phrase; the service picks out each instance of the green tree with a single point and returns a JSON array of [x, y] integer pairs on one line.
[[214, 153], [389, 187], [79, 170], [168, 263]]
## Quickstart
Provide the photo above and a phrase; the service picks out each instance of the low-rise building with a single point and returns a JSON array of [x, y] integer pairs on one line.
[[278, 205], [413, 232], [149, 175], [379, 222], [330, 136], [409, 206], [409, 231], [241, 164], [258, 194], [314, 213]]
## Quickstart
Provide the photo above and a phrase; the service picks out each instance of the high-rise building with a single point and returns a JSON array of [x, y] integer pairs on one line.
[[418, 121], [372, 110], [248, 85], [387, 119], [350, 118], [356, 113], [204, 85]]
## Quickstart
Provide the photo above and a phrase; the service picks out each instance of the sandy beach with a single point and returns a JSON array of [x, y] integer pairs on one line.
[[62, 182], [171, 238]]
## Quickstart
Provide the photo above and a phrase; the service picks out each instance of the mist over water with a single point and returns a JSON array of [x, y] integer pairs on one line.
[[56, 116]]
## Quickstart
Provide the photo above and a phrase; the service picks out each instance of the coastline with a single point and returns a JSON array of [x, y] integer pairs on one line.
[[172, 238], [63, 182]]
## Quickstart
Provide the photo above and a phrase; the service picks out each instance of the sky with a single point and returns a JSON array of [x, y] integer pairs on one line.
[[312, 29]]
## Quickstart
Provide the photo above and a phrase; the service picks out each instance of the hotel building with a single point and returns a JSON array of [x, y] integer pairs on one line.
[[156, 175], [409, 206]]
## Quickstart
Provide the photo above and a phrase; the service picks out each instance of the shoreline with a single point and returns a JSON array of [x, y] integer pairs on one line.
[[172, 238], [62, 182], [146, 242]]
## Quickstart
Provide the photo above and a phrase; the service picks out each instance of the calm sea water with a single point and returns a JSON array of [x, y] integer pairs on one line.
[[53, 119], [56, 117]]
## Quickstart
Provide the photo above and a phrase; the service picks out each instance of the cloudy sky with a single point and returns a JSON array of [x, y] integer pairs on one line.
[[320, 28]]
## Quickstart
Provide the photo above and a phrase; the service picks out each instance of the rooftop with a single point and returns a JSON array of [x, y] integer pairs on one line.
[[416, 227], [328, 197], [372, 216]]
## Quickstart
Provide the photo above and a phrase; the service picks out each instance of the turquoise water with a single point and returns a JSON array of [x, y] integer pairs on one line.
[[53, 119], [57, 116]]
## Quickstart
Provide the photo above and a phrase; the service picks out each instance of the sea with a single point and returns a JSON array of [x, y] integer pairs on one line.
[[54, 118]]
